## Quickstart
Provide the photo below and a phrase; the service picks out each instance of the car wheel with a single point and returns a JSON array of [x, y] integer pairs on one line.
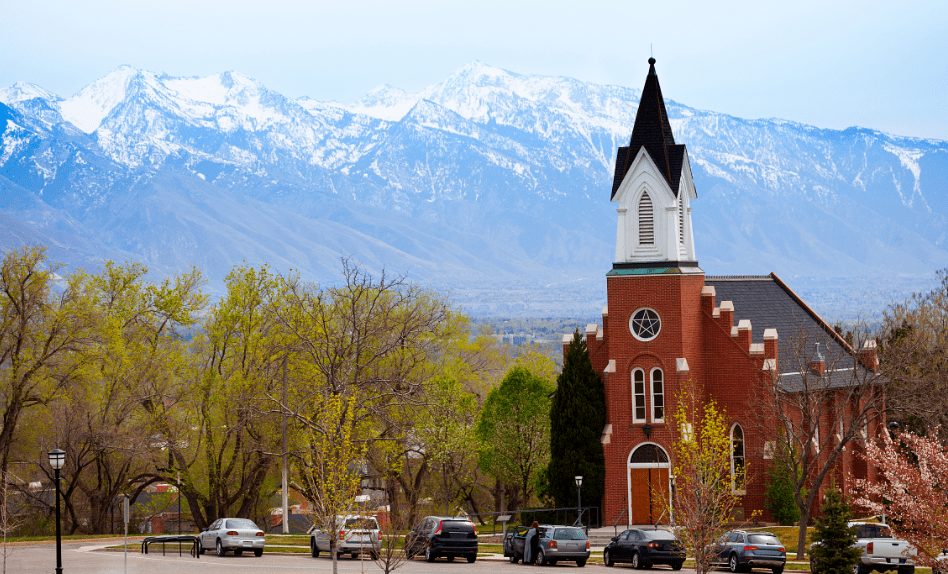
[[429, 555], [635, 561], [221, 551], [733, 564], [374, 555], [858, 568], [238, 552], [201, 549], [677, 565], [313, 549], [450, 558], [541, 558], [471, 558], [258, 552], [607, 559], [778, 570], [514, 559], [355, 555], [814, 566], [907, 570], [580, 563]]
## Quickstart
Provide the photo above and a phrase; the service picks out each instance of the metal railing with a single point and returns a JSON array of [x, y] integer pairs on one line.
[[587, 516], [194, 541]]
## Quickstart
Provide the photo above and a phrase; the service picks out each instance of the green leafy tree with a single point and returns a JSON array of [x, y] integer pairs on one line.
[[835, 551], [779, 498], [514, 432], [577, 417]]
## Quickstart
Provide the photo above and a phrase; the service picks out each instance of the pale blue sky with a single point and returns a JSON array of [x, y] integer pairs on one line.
[[834, 64]]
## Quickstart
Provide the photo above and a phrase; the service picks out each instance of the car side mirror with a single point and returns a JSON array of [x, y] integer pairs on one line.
[[615, 538]]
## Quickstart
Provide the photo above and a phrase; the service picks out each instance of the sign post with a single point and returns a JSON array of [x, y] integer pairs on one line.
[[125, 515]]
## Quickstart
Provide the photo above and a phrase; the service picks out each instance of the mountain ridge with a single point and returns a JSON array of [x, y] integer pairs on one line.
[[517, 165]]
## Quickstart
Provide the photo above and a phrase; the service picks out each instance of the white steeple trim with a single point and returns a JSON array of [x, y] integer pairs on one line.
[[672, 240]]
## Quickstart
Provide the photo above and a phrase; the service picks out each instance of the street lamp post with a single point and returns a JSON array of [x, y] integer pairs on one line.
[[579, 499], [57, 458]]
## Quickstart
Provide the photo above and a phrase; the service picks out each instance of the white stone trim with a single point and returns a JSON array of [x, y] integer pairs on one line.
[[727, 306], [681, 365], [708, 291], [757, 349], [770, 364], [567, 339], [611, 367], [744, 325], [770, 334]]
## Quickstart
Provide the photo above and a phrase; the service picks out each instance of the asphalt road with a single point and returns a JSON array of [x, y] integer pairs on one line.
[[85, 558]]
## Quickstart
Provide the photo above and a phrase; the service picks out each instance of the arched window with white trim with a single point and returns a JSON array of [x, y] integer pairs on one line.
[[646, 220], [738, 476], [638, 396], [658, 396]]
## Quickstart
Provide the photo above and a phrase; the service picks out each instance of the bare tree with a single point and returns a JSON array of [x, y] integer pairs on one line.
[[706, 493], [821, 397]]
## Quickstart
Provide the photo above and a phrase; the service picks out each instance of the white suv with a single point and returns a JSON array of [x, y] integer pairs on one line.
[[355, 535]]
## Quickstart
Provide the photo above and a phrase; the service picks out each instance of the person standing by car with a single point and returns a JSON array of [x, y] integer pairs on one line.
[[531, 543]]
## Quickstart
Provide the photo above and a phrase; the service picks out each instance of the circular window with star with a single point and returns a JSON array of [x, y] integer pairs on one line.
[[645, 324]]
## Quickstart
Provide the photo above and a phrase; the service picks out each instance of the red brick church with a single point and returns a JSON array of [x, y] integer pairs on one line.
[[666, 322]]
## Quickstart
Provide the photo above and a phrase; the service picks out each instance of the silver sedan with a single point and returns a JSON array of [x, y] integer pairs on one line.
[[237, 534]]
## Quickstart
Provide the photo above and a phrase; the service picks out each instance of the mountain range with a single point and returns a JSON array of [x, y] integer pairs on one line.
[[491, 185]]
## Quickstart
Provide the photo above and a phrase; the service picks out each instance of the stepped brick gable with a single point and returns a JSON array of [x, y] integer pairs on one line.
[[667, 323]]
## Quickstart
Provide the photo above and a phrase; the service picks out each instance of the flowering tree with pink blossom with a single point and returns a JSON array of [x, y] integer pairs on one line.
[[912, 492]]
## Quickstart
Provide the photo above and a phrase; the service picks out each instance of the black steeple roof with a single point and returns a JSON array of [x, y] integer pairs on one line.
[[653, 132]]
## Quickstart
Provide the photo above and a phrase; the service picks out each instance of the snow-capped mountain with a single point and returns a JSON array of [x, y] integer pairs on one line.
[[489, 178]]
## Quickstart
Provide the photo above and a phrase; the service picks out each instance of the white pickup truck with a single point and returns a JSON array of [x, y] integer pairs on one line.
[[880, 551]]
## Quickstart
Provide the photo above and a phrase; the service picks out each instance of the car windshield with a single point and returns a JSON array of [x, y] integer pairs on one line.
[[361, 524], [658, 535], [763, 539], [569, 534], [240, 523]]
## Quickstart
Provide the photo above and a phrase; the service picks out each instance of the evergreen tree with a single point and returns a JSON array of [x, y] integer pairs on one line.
[[779, 499], [577, 417], [835, 551]]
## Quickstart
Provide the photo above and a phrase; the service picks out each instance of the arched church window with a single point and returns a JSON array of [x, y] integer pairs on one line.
[[638, 396], [646, 222], [648, 453], [658, 396], [737, 459]]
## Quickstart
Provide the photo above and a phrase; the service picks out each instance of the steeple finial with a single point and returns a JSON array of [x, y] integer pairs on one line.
[[651, 67]]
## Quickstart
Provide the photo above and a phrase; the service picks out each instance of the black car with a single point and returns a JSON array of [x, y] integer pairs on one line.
[[740, 551], [645, 547], [438, 536]]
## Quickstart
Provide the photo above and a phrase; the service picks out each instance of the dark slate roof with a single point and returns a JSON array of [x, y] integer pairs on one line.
[[770, 304], [653, 132]]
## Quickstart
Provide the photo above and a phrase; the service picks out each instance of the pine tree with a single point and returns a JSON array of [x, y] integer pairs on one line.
[[577, 417], [778, 497], [835, 551]]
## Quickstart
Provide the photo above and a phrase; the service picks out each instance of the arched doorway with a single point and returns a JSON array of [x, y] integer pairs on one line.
[[648, 484]]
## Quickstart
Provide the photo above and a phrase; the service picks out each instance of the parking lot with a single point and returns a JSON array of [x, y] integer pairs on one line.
[[90, 558]]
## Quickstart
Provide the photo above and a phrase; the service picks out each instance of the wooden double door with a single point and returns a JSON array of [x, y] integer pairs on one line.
[[648, 488]]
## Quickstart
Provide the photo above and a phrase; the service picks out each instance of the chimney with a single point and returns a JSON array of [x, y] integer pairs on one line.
[[868, 355], [818, 364]]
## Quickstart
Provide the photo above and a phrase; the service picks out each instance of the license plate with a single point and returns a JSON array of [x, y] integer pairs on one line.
[[248, 543]]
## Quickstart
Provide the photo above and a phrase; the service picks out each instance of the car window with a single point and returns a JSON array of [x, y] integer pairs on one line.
[[874, 531], [457, 526], [569, 534], [735, 537], [658, 535], [763, 539], [240, 523], [625, 535], [361, 524], [216, 525]]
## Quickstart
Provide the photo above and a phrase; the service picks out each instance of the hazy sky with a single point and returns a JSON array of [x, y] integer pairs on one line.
[[833, 64]]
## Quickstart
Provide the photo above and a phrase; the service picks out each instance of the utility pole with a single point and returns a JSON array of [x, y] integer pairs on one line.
[[286, 506]]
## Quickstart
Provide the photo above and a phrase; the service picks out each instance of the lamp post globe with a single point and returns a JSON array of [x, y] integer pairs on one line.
[[57, 459]]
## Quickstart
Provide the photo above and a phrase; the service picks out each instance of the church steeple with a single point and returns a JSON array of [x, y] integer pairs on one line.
[[653, 132], [654, 188]]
